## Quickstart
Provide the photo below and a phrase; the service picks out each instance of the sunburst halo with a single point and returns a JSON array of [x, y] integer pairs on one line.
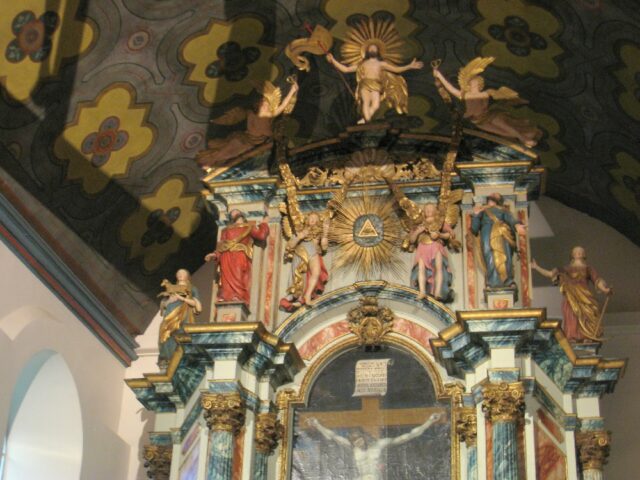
[[383, 254]]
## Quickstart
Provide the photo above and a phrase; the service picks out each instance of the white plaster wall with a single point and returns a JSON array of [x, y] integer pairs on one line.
[[32, 319]]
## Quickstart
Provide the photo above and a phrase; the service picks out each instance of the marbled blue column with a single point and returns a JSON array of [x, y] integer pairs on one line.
[[472, 462], [220, 462], [505, 450], [260, 467]]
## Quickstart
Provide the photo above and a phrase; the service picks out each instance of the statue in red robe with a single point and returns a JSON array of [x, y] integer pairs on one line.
[[234, 254]]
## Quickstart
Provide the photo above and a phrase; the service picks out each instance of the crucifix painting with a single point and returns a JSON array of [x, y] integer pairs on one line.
[[393, 428]]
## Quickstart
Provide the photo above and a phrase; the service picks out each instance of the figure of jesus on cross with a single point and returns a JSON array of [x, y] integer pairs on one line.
[[367, 449]]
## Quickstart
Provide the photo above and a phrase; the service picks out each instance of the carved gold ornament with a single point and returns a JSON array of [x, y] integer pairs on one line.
[[224, 412], [157, 461], [370, 322], [593, 449], [503, 402], [269, 431], [467, 425]]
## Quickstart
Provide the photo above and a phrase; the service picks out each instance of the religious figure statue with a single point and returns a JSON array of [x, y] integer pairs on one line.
[[580, 310], [306, 250], [477, 102], [496, 229], [373, 51], [367, 452], [307, 242], [234, 254], [430, 230], [259, 125], [180, 302]]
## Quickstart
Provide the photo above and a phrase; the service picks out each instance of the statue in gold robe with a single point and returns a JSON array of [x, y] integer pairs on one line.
[[582, 315]]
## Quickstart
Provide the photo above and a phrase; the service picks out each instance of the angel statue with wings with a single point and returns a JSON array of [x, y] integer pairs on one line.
[[430, 230], [307, 242], [259, 125], [373, 51], [489, 117]]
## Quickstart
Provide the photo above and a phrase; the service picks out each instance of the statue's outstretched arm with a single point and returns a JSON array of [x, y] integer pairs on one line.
[[447, 84], [415, 433], [341, 66], [329, 434]]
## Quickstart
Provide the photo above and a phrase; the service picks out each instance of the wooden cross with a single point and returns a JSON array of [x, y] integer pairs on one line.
[[371, 418]]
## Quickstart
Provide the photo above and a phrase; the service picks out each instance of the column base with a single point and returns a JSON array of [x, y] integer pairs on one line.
[[227, 312], [501, 298]]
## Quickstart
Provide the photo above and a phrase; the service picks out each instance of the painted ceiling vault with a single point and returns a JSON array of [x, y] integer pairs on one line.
[[105, 103]]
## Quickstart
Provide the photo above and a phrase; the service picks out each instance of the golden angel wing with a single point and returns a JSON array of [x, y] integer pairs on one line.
[[231, 117], [452, 211], [287, 231], [319, 43], [506, 94], [292, 211], [396, 92], [472, 69]]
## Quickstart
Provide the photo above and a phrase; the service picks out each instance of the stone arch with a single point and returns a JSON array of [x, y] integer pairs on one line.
[[313, 329], [44, 436]]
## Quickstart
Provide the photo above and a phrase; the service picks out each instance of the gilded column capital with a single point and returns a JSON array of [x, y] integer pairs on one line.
[[269, 431], [503, 402], [223, 412], [593, 449], [467, 425], [157, 461]]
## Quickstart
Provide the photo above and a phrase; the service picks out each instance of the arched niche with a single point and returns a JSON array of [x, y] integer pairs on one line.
[[427, 314], [394, 429], [44, 437]]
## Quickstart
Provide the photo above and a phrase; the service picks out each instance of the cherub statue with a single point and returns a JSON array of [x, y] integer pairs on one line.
[[430, 230], [373, 50], [259, 125], [307, 242], [306, 250], [580, 310], [487, 117]]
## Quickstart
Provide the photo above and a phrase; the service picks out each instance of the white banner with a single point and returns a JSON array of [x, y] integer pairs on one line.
[[371, 378]]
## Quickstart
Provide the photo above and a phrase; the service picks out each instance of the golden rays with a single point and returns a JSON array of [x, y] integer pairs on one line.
[[383, 34], [366, 232]]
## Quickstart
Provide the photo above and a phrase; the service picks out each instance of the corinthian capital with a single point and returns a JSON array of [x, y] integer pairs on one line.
[[268, 432], [467, 425], [157, 461], [593, 449], [225, 412], [503, 402]]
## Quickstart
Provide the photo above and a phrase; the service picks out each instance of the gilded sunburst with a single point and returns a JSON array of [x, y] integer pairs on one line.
[[366, 232]]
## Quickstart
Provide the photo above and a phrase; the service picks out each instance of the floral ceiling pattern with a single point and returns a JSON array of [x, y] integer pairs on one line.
[[104, 104]]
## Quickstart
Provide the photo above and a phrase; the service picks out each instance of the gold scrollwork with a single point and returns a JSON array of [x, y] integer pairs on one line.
[[467, 425], [370, 322], [224, 412], [504, 402], [157, 461], [593, 449], [269, 431]]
